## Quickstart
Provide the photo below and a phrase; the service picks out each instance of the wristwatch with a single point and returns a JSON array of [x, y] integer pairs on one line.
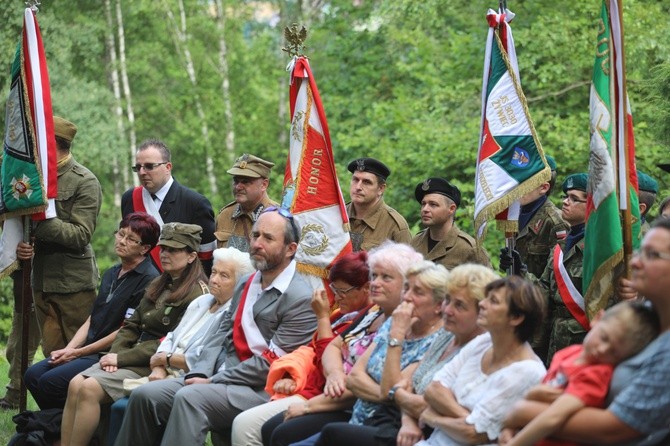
[[167, 359], [391, 395], [393, 342]]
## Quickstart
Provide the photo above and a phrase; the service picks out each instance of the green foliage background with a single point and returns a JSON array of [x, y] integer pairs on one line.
[[400, 80]]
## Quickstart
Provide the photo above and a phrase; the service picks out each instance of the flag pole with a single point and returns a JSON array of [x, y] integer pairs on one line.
[[627, 223], [26, 308]]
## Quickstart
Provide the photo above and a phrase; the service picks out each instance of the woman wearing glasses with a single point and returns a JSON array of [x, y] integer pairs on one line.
[[389, 264], [297, 376], [121, 289], [158, 313]]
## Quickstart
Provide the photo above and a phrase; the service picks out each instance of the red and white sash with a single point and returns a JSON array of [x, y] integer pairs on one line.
[[572, 298], [247, 338], [142, 202]]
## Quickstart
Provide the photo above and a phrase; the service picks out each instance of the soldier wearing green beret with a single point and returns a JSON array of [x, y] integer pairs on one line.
[[251, 178], [647, 190], [64, 271], [442, 241], [540, 225], [372, 221]]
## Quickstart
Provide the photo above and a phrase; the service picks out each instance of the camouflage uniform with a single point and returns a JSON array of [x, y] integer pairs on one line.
[[233, 225], [560, 328], [382, 223], [457, 248], [537, 239]]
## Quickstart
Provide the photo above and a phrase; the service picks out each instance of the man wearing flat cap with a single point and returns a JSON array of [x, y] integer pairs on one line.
[[442, 242], [372, 221], [251, 178], [64, 271], [647, 190], [541, 226], [162, 197]]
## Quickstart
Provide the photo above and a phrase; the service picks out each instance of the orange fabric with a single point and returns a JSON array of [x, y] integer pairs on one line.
[[297, 365]]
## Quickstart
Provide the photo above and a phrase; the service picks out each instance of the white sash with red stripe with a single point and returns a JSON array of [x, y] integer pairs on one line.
[[571, 297]]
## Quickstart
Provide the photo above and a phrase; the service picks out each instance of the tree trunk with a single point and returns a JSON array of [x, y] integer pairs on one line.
[[126, 87], [181, 44], [225, 82]]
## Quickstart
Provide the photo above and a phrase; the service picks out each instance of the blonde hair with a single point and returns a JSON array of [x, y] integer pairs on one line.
[[432, 276], [472, 278], [640, 321]]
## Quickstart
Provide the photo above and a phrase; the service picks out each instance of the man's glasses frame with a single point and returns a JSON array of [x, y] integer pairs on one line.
[[572, 198], [287, 215], [147, 166], [647, 255]]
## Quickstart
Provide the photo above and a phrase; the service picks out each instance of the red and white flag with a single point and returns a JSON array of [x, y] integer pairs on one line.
[[311, 189]]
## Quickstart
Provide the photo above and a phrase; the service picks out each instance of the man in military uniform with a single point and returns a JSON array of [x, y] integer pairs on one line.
[[251, 178], [565, 325], [372, 221], [648, 188], [540, 225], [442, 242], [64, 271]]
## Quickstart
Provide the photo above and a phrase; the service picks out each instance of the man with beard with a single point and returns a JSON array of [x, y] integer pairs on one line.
[[251, 178], [270, 315]]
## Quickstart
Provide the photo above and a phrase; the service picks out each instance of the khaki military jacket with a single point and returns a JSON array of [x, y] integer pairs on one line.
[[457, 248], [381, 224], [64, 261], [233, 226], [536, 241]]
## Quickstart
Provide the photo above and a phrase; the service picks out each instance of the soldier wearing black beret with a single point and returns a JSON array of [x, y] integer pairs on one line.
[[372, 221], [442, 242]]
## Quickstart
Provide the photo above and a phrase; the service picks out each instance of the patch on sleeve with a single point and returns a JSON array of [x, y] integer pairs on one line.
[[560, 235]]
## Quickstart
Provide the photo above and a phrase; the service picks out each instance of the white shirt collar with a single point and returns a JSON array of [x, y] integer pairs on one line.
[[162, 192], [282, 281]]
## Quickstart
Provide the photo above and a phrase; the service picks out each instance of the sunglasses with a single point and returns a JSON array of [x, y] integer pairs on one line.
[[287, 215], [147, 166]]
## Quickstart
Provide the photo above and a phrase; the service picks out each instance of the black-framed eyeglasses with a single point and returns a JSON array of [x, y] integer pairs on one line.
[[122, 235], [649, 254], [340, 291], [147, 166], [287, 215], [572, 199]]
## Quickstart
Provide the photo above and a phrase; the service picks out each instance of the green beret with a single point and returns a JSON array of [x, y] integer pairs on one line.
[[251, 166], [646, 183], [437, 186], [64, 128], [369, 165], [575, 181], [551, 161], [180, 235]]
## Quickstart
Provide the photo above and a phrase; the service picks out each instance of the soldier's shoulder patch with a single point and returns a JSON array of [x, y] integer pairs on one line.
[[537, 226], [561, 234]]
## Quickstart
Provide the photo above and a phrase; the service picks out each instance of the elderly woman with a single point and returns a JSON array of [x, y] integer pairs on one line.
[[159, 312], [296, 377], [388, 264], [121, 289], [398, 421], [470, 395]]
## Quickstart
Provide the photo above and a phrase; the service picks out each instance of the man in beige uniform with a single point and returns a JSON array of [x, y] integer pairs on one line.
[[371, 220], [251, 178], [442, 242]]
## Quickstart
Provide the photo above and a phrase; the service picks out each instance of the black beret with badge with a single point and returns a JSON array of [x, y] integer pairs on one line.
[[577, 181], [369, 165], [440, 186]]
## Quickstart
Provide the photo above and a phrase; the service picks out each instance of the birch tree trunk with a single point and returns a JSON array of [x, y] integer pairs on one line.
[[180, 39], [225, 82], [118, 162], [126, 87]]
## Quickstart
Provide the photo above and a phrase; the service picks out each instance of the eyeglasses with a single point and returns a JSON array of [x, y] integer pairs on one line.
[[572, 199], [340, 291], [147, 166], [287, 215], [122, 235], [647, 255]]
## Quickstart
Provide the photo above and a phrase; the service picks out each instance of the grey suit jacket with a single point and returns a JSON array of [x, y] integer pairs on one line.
[[285, 319]]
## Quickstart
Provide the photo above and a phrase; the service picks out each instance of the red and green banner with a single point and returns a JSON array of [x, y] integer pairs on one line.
[[510, 162], [612, 188], [28, 183], [311, 188]]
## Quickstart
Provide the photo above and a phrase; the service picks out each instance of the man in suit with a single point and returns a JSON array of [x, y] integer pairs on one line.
[[162, 197], [270, 315]]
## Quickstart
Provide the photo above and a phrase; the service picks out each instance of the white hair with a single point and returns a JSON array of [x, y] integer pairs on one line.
[[240, 259]]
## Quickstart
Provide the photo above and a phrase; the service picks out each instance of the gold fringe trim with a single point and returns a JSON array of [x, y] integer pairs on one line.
[[533, 182], [10, 269], [312, 270], [346, 227], [22, 212], [601, 292]]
